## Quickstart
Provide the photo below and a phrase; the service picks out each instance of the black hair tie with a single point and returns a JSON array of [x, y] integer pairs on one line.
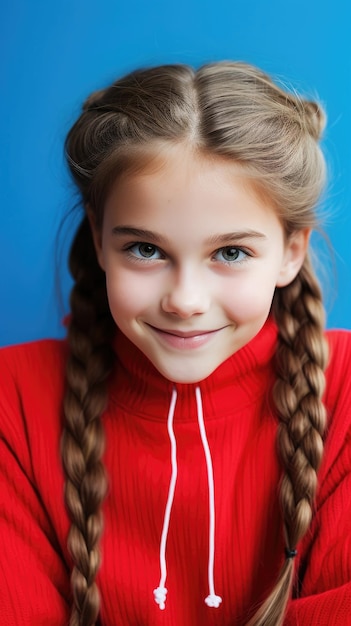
[[290, 554]]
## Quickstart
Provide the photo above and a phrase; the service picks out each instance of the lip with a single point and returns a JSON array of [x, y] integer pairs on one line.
[[185, 340]]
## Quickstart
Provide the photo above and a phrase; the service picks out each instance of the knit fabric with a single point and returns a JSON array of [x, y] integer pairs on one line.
[[241, 431]]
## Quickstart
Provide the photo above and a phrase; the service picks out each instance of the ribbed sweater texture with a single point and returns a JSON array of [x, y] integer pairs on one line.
[[249, 545]]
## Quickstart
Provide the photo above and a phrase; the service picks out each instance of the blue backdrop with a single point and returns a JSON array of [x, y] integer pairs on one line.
[[54, 53]]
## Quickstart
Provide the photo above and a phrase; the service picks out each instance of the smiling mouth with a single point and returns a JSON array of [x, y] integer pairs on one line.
[[185, 340], [185, 334]]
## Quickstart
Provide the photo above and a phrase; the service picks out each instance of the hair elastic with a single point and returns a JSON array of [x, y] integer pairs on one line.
[[290, 554]]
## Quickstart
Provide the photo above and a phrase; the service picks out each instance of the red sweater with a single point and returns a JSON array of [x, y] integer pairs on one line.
[[249, 546]]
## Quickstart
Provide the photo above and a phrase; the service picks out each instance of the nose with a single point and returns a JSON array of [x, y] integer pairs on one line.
[[186, 295]]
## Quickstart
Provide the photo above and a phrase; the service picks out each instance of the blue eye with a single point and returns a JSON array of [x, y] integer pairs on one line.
[[231, 254], [145, 251]]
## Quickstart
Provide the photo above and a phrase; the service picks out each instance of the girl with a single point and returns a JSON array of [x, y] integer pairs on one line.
[[196, 397]]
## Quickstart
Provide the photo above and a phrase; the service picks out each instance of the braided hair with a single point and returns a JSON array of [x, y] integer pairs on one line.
[[91, 359], [235, 111]]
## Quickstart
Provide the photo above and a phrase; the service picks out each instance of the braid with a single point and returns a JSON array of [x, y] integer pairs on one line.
[[300, 362], [91, 358]]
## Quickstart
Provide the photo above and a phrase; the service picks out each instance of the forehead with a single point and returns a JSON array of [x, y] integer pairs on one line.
[[165, 170], [184, 193]]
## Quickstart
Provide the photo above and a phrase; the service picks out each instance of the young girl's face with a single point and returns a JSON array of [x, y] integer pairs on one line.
[[192, 258]]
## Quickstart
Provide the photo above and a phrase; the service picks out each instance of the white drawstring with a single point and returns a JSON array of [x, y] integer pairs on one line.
[[160, 592], [212, 599]]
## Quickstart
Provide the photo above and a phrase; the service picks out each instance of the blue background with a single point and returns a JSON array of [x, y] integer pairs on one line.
[[54, 53]]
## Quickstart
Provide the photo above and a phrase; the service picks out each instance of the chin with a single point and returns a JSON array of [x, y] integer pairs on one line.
[[185, 378]]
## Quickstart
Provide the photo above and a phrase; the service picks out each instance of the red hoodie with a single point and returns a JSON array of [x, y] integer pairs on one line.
[[246, 543]]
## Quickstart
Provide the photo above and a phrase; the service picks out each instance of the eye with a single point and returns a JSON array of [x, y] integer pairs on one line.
[[231, 254], [145, 251]]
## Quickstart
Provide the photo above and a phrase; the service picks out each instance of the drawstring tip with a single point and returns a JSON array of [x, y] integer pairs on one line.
[[160, 597], [213, 601]]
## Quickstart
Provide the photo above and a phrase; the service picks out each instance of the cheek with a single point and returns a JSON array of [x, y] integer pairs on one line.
[[249, 300], [127, 293]]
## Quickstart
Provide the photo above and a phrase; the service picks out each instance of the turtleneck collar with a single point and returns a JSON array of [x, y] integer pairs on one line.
[[138, 385]]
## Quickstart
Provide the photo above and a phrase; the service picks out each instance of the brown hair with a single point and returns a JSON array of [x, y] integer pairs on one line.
[[235, 111]]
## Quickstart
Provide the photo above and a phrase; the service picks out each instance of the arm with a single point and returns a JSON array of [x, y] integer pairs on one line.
[[34, 580], [325, 598], [325, 568]]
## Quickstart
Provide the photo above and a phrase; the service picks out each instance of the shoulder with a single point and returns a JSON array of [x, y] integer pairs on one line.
[[339, 345], [31, 388], [34, 363], [337, 397], [338, 372], [27, 367], [32, 355]]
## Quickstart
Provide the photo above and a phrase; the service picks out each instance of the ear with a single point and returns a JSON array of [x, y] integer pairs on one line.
[[295, 252], [97, 236]]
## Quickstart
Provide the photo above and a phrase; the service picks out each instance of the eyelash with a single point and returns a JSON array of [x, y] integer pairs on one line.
[[140, 259], [234, 261]]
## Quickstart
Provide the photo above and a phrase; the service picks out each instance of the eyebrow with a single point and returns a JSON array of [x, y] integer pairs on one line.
[[234, 236], [149, 235]]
